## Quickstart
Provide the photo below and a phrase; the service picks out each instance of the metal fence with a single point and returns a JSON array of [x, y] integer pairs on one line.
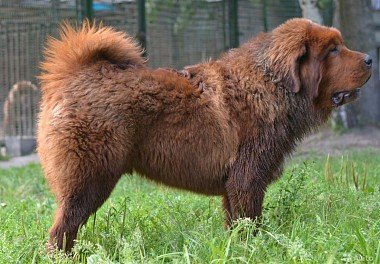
[[176, 33]]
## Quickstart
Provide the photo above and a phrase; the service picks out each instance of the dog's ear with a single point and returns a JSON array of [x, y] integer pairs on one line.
[[311, 75], [292, 80]]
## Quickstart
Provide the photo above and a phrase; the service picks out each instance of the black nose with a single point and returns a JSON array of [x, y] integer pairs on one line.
[[368, 61]]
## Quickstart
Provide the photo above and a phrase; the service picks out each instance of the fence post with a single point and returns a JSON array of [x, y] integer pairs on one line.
[[141, 23], [89, 10], [265, 15], [233, 23], [85, 10]]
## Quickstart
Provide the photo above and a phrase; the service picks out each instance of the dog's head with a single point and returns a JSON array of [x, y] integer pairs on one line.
[[307, 58]]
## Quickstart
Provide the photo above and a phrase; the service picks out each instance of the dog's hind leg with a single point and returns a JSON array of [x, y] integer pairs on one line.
[[76, 205]]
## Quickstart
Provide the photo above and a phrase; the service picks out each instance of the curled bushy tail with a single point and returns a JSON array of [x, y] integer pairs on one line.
[[77, 48]]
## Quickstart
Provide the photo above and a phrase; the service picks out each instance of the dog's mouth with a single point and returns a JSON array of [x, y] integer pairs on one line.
[[345, 97]]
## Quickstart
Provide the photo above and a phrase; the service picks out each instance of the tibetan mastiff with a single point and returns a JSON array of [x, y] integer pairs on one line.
[[221, 127]]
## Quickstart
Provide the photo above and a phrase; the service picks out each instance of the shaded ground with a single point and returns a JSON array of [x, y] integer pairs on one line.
[[324, 142], [330, 142], [19, 161]]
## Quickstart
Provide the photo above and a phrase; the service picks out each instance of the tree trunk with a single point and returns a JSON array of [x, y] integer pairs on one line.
[[311, 11], [356, 23]]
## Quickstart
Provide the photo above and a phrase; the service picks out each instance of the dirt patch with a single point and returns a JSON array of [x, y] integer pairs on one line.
[[327, 141], [19, 161]]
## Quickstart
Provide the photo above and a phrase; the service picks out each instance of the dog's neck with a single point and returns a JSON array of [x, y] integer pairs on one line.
[[251, 92]]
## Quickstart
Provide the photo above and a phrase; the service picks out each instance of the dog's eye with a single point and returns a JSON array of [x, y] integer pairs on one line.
[[334, 51]]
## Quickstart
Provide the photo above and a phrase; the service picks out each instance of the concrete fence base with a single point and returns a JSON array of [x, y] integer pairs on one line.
[[19, 146]]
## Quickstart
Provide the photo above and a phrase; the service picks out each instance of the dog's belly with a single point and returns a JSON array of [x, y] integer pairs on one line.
[[203, 185], [187, 157], [195, 180], [198, 165]]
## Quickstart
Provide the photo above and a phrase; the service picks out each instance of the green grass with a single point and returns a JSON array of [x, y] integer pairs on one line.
[[316, 213]]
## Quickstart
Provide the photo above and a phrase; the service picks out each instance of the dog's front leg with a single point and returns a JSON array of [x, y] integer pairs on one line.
[[243, 199], [246, 185]]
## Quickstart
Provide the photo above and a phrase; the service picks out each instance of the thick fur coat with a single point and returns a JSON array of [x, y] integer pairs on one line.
[[222, 127]]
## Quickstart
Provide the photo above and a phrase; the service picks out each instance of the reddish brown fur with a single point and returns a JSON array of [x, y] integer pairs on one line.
[[222, 127]]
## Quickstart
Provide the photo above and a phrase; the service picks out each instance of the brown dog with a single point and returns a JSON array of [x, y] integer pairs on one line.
[[223, 127]]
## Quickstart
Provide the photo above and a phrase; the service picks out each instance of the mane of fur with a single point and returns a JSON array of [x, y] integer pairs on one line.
[[275, 52]]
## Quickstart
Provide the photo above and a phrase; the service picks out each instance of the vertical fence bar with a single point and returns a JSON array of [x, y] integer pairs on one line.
[[265, 15], [89, 10], [86, 10], [141, 24], [233, 23], [225, 46]]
